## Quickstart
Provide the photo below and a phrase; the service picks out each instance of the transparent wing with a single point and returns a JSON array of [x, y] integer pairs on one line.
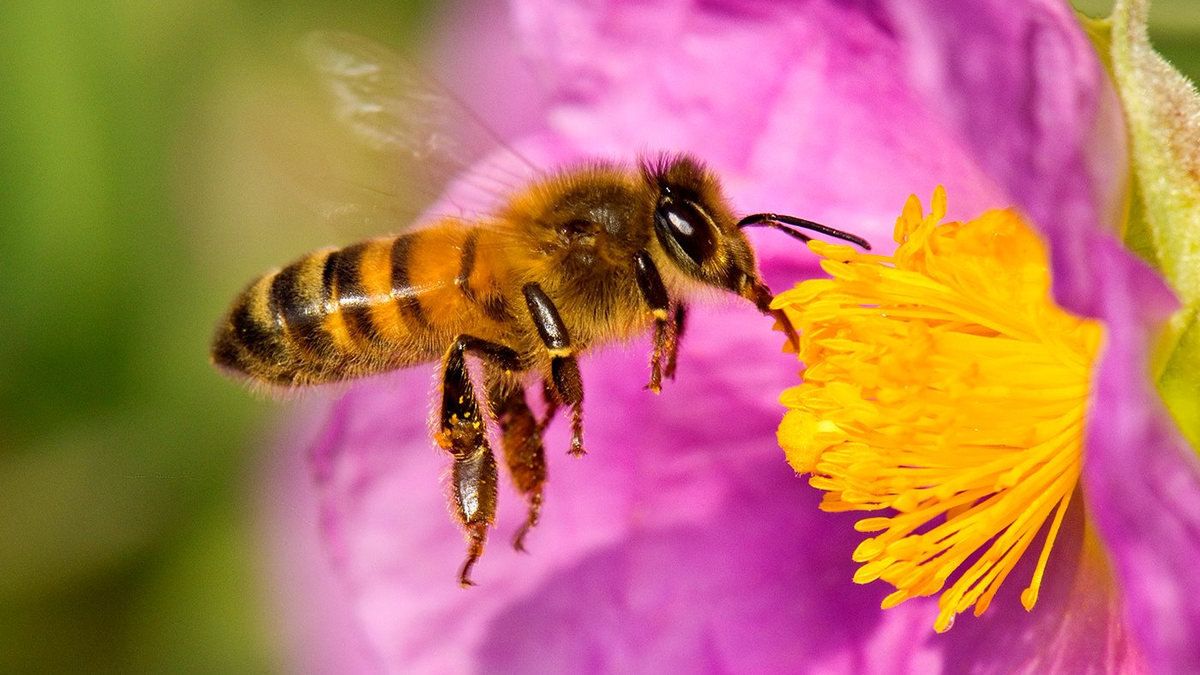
[[428, 137]]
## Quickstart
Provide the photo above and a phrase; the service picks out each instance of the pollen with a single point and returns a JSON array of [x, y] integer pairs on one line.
[[945, 390]]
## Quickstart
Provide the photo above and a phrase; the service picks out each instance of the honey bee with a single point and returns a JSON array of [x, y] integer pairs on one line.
[[580, 257]]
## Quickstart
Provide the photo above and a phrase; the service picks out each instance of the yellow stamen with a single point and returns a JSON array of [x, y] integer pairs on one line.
[[942, 383]]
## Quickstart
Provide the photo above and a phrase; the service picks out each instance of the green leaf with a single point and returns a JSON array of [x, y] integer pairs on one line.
[[1162, 110], [1180, 379]]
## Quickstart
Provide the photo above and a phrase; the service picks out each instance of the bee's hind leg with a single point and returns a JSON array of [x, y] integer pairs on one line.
[[463, 434], [521, 438]]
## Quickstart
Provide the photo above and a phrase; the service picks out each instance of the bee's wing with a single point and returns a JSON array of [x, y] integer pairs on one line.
[[430, 137]]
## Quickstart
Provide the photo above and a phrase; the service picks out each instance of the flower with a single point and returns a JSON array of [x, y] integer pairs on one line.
[[942, 382], [682, 543]]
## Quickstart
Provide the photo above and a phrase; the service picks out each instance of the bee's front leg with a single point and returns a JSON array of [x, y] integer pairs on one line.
[[673, 339], [666, 331], [463, 434], [564, 369]]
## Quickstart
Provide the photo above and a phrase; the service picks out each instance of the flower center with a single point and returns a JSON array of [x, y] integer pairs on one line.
[[941, 384]]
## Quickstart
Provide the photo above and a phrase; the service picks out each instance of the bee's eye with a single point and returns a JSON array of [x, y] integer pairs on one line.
[[682, 223]]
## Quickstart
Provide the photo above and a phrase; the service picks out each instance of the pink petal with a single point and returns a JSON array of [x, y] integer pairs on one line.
[[786, 100], [317, 625], [1142, 480], [1020, 84], [1076, 628]]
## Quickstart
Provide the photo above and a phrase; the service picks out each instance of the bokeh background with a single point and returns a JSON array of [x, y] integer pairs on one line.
[[140, 188]]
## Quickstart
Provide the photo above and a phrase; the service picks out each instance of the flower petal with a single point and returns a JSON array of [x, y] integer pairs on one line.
[[1141, 479], [1020, 83], [802, 107], [1075, 629], [319, 628]]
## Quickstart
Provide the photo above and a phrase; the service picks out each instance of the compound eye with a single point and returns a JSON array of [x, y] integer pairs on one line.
[[683, 224]]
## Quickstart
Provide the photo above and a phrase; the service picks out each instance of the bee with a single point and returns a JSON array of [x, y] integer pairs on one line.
[[577, 258]]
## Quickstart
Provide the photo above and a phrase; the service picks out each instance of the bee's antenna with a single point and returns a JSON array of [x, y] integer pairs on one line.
[[781, 222]]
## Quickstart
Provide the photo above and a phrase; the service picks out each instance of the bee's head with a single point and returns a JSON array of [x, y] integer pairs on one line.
[[698, 231]]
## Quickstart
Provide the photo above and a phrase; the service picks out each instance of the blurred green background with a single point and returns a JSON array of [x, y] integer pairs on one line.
[[128, 468]]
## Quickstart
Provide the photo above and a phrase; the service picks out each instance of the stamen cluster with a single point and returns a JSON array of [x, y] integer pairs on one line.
[[943, 385]]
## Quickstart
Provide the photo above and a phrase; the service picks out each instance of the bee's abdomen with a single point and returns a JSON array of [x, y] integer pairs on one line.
[[339, 314]]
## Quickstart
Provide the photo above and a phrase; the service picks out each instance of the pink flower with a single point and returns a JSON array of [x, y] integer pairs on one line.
[[683, 542]]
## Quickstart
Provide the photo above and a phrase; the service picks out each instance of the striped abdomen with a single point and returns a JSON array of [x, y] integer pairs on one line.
[[370, 307]]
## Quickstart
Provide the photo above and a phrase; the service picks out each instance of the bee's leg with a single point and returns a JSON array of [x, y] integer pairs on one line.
[[463, 434], [551, 400], [564, 370], [673, 341], [521, 438], [655, 294]]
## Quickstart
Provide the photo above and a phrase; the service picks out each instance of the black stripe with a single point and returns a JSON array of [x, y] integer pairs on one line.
[[255, 339], [402, 290], [301, 315], [467, 265], [328, 294], [352, 299], [492, 302], [282, 300], [323, 340], [286, 303], [495, 307]]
